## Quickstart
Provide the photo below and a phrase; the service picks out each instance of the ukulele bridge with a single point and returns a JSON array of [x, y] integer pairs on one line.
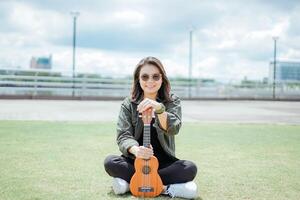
[[146, 189]]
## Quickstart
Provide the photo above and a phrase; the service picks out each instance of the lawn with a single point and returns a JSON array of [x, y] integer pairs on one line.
[[64, 160]]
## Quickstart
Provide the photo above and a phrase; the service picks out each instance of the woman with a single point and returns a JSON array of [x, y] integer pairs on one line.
[[151, 89]]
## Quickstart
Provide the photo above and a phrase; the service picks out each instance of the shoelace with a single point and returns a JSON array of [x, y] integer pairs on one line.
[[170, 192]]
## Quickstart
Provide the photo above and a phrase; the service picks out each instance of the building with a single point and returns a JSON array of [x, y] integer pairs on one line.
[[41, 62], [286, 71]]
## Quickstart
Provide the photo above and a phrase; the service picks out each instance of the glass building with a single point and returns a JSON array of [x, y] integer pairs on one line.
[[41, 62], [286, 71]]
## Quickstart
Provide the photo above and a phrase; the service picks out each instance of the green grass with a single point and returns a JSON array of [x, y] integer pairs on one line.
[[64, 160]]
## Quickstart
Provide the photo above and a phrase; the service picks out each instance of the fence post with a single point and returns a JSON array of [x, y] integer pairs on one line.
[[35, 84]]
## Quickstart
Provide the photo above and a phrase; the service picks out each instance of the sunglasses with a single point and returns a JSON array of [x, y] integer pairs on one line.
[[155, 77]]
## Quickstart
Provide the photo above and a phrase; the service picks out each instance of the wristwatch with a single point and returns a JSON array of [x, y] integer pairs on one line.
[[161, 110]]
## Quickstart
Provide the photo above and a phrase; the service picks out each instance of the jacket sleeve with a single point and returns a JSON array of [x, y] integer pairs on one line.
[[125, 138], [173, 110]]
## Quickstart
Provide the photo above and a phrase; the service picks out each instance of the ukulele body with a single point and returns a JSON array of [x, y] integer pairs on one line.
[[146, 182]]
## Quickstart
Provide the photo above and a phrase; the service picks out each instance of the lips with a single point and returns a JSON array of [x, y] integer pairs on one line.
[[150, 87]]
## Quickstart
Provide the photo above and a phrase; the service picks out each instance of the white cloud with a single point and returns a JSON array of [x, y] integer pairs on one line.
[[35, 23], [129, 16], [229, 41]]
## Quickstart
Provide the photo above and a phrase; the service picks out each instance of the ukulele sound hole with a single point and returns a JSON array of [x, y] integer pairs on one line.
[[146, 170]]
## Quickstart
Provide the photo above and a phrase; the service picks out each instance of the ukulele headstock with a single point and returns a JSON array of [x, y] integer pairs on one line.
[[147, 116]]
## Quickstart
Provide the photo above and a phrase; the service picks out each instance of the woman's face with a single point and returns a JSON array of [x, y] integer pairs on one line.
[[150, 79]]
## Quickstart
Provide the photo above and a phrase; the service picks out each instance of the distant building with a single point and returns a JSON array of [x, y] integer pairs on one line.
[[286, 71], [41, 62]]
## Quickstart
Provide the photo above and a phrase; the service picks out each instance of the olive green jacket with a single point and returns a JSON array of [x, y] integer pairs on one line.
[[130, 126]]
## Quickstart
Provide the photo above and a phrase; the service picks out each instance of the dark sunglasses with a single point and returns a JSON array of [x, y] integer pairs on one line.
[[155, 77]]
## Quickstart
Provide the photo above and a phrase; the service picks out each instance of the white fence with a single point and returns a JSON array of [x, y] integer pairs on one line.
[[51, 86]]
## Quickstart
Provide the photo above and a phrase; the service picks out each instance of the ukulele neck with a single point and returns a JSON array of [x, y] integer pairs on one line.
[[147, 136]]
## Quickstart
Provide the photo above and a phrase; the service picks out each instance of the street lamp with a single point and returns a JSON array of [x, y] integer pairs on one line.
[[74, 14], [190, 63], [275, 38]]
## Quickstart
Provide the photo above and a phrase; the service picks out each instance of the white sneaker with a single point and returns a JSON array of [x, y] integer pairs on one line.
[[186, 190], [120, 186]]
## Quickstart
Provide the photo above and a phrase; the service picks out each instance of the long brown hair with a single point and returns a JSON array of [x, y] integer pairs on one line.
[[163, 92]]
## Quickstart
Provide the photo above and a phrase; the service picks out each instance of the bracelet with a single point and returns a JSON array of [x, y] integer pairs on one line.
[[161, 110]]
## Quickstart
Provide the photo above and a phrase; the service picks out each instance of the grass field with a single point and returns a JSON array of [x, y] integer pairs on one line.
[[64, 160]]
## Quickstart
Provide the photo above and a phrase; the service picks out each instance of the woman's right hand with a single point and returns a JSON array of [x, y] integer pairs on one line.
[[141, 152]]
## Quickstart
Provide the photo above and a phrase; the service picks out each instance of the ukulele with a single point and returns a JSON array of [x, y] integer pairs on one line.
[[146, 182]]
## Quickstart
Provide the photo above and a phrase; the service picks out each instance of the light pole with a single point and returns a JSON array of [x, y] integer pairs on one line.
[[275, 38], [190, 63], [74, 14]]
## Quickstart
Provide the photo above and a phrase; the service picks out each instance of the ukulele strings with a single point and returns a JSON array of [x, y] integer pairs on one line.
[[146, 181]]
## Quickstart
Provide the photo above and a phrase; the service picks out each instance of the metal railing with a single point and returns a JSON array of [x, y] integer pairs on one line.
[[36, 85]]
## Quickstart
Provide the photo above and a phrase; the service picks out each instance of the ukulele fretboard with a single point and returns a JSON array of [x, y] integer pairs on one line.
[[147, 136]]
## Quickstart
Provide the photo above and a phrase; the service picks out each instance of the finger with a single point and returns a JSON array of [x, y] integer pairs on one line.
[[144, 149], [150, 109], [144, 156], [145, 108], [142, 104], [144, 113], [149, 152], [148, 149]]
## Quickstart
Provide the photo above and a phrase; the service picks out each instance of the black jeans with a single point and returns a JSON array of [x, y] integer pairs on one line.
[[180, 171]]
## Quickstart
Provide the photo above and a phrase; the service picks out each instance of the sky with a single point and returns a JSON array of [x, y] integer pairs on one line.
[[231, 39]]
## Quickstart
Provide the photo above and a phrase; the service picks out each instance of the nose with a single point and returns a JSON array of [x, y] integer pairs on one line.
[[151, 79]]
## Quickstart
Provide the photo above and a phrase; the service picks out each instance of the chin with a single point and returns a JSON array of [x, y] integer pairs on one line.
[[151, 91]]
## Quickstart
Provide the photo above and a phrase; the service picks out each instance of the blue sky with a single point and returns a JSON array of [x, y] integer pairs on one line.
[[232, 39]]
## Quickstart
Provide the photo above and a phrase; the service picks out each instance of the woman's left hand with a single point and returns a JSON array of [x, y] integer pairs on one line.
[[148, 103]]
